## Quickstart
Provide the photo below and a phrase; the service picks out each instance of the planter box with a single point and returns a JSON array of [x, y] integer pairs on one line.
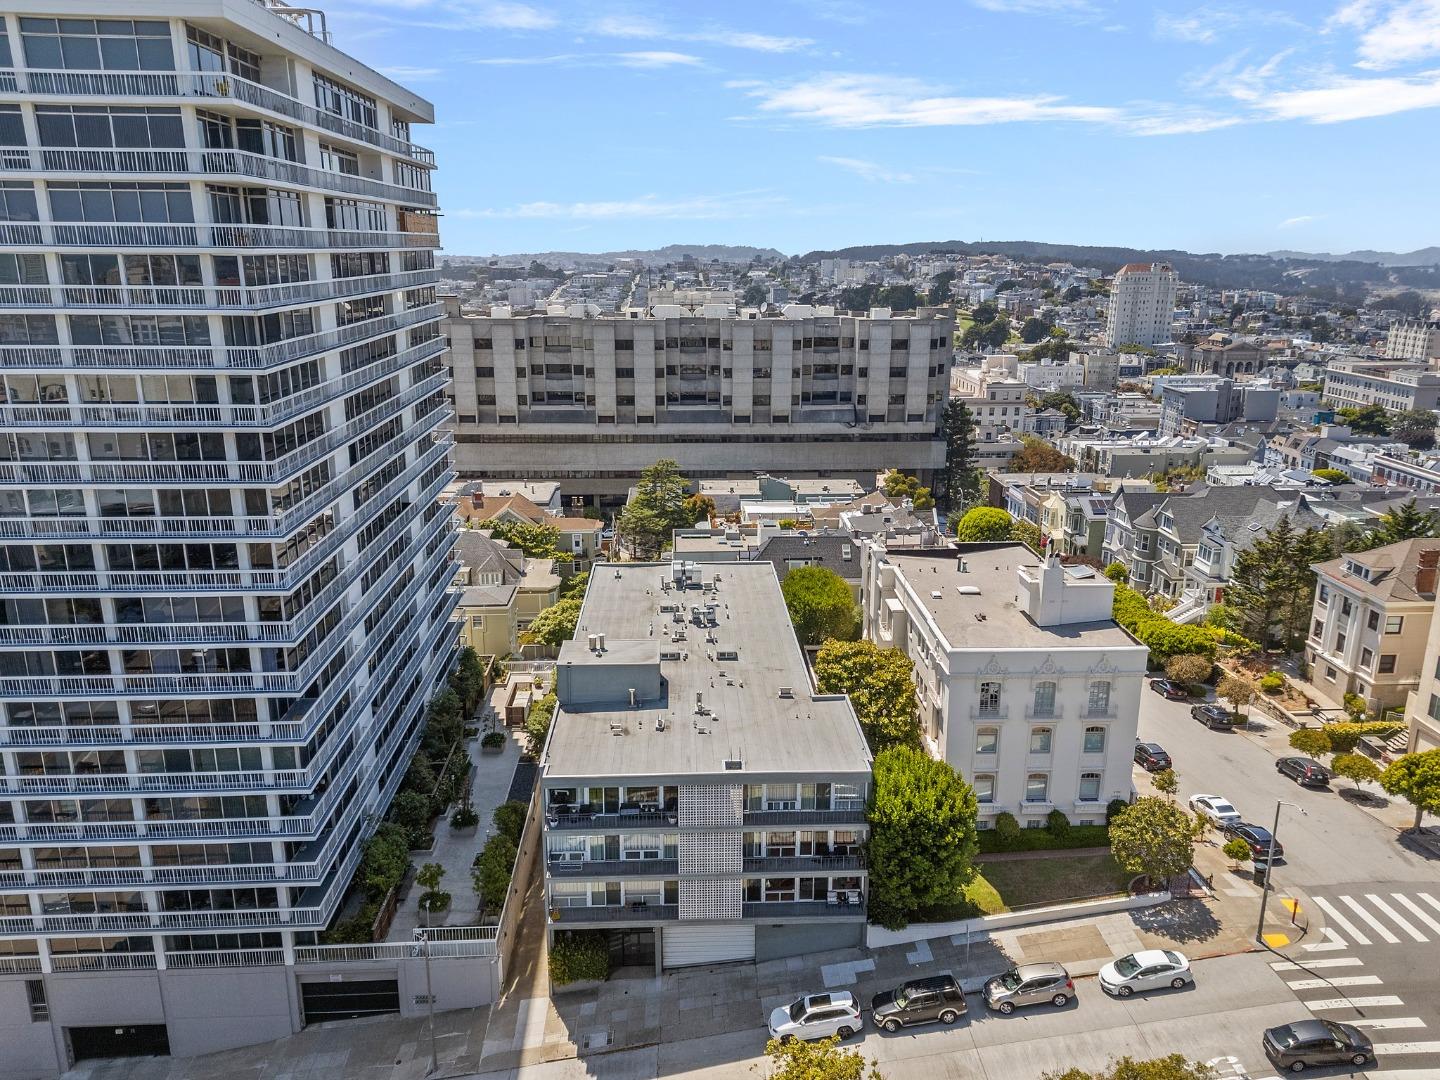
[[576, 987], [491, 750]]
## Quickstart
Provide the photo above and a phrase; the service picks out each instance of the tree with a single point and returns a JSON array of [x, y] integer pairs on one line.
[[1037, 455], [821, 605], [556, 623], [985, 311], [986, 335], [881, 686], [1188, 668], [984, 524], [1366, 419], [1237, 690], [1034, 329], [699, 508], [1416, 779], [1166, 782], [387, 857], [537, 722], [411, 811], [1118, 572], [1272, 587], [490, 876], [1153, 837], [1406, 522], [1332, 476], [1237, 851], [1357, 768], [509, 819], [1310, 741], [468, 679], [573, 588], [1029, 534], [897, 485], [922, 835], [1415, 428], [823, 1059], [655, 510], [897, 297], [536, 541], [754, 295], [1065, 402], [941, 288], [960, 481]]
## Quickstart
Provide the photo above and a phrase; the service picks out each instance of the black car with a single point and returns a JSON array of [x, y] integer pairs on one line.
[[920, 1001], [1170, 689], [1216, 717], [1307, 772], [1316, 1042], [1152, 757], [1257, 836]]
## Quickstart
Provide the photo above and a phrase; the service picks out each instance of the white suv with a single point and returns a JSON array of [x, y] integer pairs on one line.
[[817, 1016]]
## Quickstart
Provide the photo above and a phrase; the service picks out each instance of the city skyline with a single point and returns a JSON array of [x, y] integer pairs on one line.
[[990, 119]]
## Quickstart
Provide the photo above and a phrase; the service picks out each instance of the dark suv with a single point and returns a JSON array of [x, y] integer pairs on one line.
[[1256, 836], [1307, 772], [920, 1001], [1216, 717], [1152, 757]]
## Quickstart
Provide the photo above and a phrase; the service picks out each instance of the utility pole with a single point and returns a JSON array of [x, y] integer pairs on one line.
[[424, 939], [1269, 867]]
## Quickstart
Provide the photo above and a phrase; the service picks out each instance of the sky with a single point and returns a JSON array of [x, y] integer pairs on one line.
[[805, 124]]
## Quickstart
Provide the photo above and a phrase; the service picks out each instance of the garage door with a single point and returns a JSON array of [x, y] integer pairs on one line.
[[347, 1000], [686, 946]]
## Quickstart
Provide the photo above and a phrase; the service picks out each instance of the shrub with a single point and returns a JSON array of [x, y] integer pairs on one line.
[[464, 817], [509, 820], [1311, 741], [491, 739], [1115, 807], [1118, 572], [1236, 850], [1355, 706], [493, 867], [1007, 829], [411, 811], [1057, 824], [435, 900], [1188, 668], [983, 523], [1077, 836], [1163, 637], [1345, 737], [1272, 683], [386, 859], [577, 955]]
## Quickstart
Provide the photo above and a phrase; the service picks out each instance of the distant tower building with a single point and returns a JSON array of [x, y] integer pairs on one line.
[[1413, 340], [1142, 303]]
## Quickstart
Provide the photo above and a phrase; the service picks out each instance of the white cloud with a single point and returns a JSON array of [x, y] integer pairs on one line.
[[1345, 98], [1197, 27], [869, 170], [690, 207], [413, 74], [1392, 33], [654, 59], [634, 26], [1300, 219], [1034, 7], [658, 59], [470, 14]]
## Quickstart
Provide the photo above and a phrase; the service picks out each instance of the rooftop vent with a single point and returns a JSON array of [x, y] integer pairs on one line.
[[787, 691], [733, 764]]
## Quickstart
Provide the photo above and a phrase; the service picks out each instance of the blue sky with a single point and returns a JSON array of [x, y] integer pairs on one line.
[[803, 124]]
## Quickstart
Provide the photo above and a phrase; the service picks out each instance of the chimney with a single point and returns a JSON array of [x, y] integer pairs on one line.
[[1429, 568]]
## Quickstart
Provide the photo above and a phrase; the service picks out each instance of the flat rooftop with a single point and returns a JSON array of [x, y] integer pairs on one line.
[[1005, 624], [745, 717]]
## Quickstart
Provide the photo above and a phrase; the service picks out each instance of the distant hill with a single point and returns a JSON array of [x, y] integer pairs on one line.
[[1277, 272], [1428, 256], [726, 253]]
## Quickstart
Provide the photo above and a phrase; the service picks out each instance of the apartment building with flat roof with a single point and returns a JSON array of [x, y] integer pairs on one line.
[[702, 802], [592, 400], [1395, 385]]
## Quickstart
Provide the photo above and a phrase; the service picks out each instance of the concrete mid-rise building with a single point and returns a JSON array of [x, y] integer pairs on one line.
[[593, 400], [1142, 305], [1186, 407], [1414, 339], [226, 587], [1395, 385]]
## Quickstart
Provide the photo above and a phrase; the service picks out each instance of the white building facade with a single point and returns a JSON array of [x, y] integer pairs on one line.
[[1026, 685], [1142, 305]]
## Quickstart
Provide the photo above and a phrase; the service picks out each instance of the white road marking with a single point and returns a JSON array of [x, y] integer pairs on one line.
[[1386, 1025], [1429, 900], [1416, 910], [1352, 1003], [1348, 980], [1332, 942], [1395, 917], [1340, 920], [1375, 924], [1311, 965], [1407, 1048]]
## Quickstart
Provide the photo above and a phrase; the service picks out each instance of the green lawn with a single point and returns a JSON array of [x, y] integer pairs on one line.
[[1021, 882]]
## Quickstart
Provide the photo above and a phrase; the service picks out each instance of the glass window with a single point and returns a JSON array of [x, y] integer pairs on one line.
[[1037, 788], [989, 697], [1372, 620], [1089, 787], [984, 786], [1394, 623], [987, 741], [1045, 699], [1094, 740], [1387, 664], [1099, 698], [1040, 739], [340, 100], [97, 44], [17, 202]]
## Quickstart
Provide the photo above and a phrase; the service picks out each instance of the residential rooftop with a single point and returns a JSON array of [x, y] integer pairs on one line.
[[695, 712]]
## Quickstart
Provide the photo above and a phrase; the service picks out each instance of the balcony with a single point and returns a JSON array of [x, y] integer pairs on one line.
[[803, 909], [854, 815], [252, 238], [636, 912], [627, 820], [803, 864], [563, 868]]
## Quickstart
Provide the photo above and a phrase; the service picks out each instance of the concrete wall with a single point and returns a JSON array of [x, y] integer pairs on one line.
[[30, 1047], [877, 937], [795, 939], [221, 1008]]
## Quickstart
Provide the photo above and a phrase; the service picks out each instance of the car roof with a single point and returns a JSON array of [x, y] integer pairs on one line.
[[1034, 971], [836, 997], [1251, 827], [1305, 1030], [1153, 747], [933, 982], [1211, 707], [1146, 957]]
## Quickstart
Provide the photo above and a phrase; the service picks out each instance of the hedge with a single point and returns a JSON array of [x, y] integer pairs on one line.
[[1163, 637], [1344, 737], [577, 955], [1078, 836]]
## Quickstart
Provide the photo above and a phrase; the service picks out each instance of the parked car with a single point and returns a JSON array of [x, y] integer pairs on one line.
[[1168, 688], [1152, 757], [919, 1001], [1029, 984], [1217, 808], [1257, 836], [1307, 772], [1215, 717], [816, 1016], [1149, 969], [1316, 1042]]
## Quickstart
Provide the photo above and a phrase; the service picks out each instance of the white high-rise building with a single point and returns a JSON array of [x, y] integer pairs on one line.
[[224, 573], [1142, 305], [1414, 339]]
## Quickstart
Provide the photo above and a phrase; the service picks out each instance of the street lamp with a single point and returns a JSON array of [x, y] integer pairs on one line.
[[1269, 865], [422, 941]]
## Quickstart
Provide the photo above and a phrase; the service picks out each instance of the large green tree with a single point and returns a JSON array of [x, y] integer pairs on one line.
[[880, 683], [655, 510], [922, 835], [1153, 837], [1416, 779], [1366, 419], [1171, 1067], [1037, 455], [959, 486], [556, 623], [1406, 522], [820, 604], [1272, 585], [1034, 329], [1415, 428], [822, 1059], [984, 523], [535, 540], [898, 485]]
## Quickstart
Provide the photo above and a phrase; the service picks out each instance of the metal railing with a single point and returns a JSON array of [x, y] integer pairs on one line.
[[632, 912], [243, 237], [849, 816], [564, 868], [778, 909]]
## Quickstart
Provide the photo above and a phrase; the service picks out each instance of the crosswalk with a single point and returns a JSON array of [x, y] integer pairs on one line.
[[1393, 918]]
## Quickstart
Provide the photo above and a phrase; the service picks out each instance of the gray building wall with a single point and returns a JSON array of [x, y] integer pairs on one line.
[[796, 939]]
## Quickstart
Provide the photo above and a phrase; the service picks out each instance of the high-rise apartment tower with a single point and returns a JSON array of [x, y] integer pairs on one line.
[[1142, 305]]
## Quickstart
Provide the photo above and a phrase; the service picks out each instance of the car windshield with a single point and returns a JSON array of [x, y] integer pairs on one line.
[[1010, 980], [1226, 808], [1285, 1037], [1173, 957], [1126, 966], [797, 1011], [902, 998]]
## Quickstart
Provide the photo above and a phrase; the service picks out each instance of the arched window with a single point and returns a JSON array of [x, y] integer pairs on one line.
[[1045, 699], [1089, 787], [1037, 788], [989, 699], [1094, 740], [1099, 698], [1040, 739]]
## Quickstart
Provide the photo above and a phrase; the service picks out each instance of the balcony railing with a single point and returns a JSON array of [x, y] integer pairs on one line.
[[564, 868], [201, 84], [635, 912], [50, 234], [849, 816], [803, 864], [556, 820], [803, 909]]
